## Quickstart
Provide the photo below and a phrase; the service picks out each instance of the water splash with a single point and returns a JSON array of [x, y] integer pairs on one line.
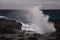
[[38, 21]]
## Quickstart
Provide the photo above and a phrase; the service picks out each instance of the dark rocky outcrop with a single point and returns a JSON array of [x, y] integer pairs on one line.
[[8, 26]]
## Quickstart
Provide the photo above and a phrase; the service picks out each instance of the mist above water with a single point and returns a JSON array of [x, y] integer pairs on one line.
[[38, 22]]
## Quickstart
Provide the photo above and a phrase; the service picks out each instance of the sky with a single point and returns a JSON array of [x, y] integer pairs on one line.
[[21, 4]]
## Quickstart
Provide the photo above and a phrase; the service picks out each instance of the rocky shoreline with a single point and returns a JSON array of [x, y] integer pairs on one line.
[[7, 31]]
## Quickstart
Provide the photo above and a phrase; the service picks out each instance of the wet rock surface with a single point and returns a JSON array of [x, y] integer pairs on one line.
[[8, 26], [7, 31]]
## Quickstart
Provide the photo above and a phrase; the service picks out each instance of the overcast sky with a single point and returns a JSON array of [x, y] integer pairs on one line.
[[18, 4]]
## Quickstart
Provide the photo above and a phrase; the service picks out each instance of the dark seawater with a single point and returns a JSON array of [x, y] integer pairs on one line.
[[54, 14], [12, 14]]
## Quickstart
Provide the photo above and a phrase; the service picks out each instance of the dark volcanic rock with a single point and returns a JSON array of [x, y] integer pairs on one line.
[[21, 39], [2, 38], [8, 39], [32, 38], [8, 26]]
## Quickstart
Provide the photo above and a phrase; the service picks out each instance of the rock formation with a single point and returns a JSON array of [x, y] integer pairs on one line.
[[7, 26]]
